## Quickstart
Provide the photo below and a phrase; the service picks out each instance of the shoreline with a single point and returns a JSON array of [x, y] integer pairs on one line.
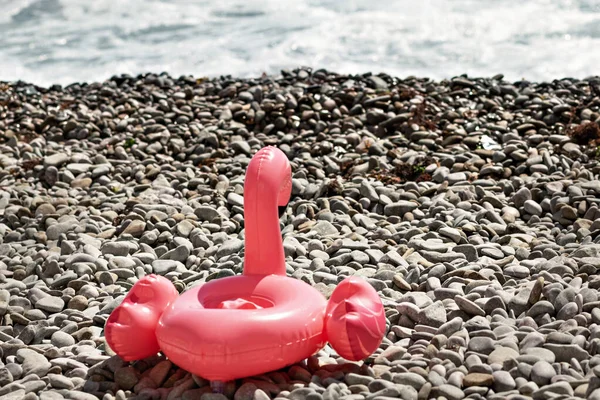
[[471, 206], [281, 74]]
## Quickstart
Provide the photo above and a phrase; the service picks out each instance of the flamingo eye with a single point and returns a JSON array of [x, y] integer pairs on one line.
[[121, 316], [142, 294]]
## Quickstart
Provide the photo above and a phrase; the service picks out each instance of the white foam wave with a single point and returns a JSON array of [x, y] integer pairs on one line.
[[62, 41]]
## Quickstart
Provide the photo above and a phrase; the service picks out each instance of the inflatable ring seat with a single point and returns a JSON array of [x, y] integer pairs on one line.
[[262, 323]]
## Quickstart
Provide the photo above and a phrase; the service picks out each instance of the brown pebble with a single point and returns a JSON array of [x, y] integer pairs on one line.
[[78, 302], [478, 379]]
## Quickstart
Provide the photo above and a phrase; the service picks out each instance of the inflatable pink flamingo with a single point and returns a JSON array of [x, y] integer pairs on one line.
[[250, 324]]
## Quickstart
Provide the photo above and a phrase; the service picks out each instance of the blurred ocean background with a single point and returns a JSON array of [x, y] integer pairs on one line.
[[65, 41]]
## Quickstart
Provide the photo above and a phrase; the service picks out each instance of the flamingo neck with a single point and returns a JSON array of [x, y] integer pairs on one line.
[[264, 253]]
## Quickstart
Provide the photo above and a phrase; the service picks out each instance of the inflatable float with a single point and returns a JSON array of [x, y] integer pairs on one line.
[[257, 322]]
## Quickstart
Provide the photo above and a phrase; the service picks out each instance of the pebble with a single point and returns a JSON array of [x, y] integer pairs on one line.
[[33, 362], [503, 381], [62, 339], [50, 304], [501, 354], [126, 378], [478, 379], [542, 373]]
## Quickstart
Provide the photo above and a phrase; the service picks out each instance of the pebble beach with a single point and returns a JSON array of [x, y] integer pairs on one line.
[[472, 205]]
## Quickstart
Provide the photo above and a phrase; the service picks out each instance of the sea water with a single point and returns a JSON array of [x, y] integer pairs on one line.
[[65, 41]]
